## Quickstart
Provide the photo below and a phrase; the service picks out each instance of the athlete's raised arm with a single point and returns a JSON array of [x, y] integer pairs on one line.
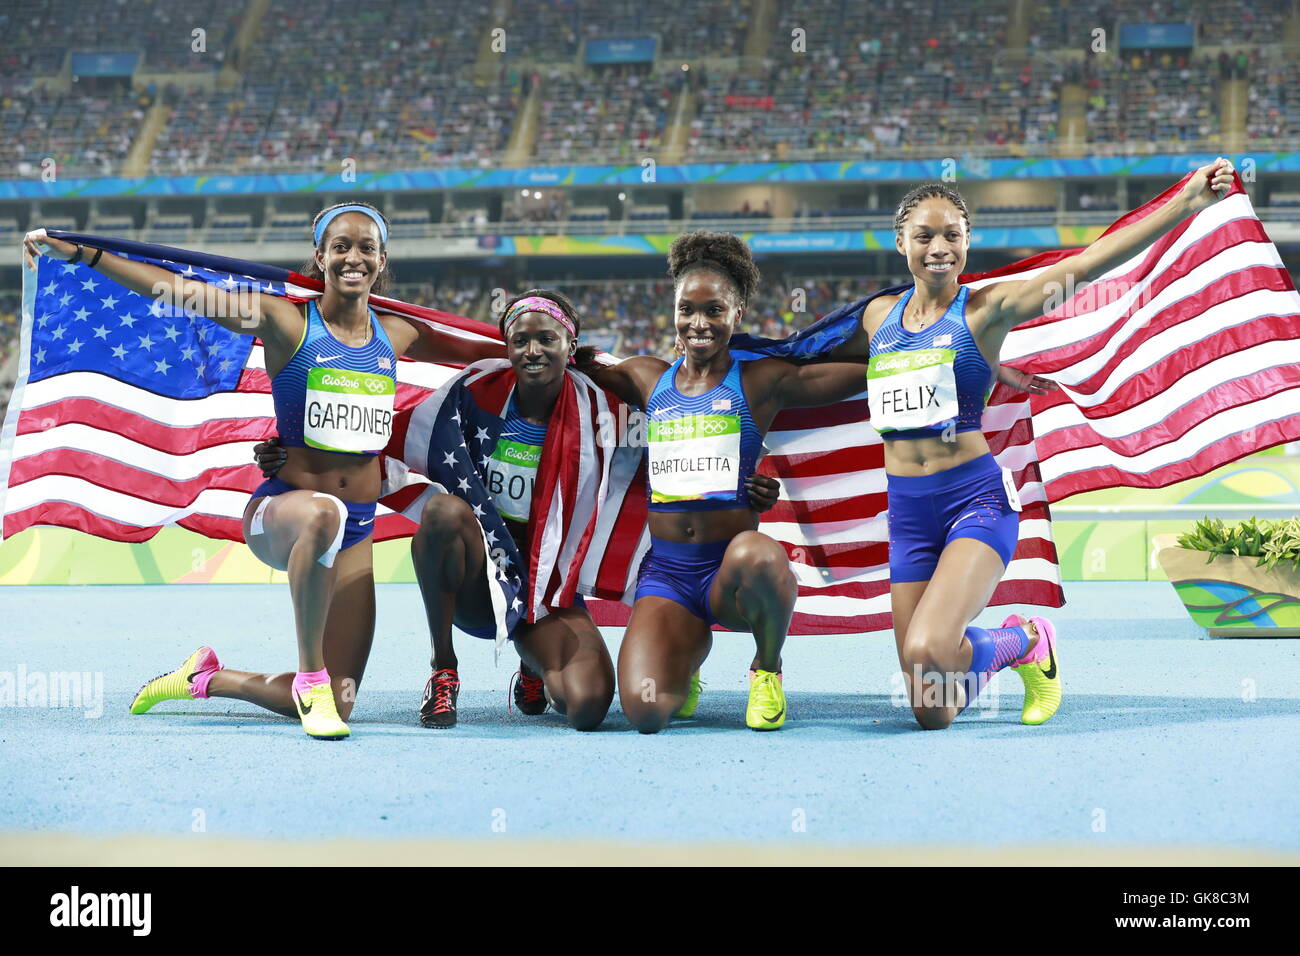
[[421, 342], [1007, 304], [247, 313]]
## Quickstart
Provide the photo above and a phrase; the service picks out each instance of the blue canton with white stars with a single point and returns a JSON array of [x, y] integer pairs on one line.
[[464, 437], [83, 321]]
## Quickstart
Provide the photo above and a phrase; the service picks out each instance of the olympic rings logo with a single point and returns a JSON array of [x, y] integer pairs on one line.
[[375, 387], [691, 426]]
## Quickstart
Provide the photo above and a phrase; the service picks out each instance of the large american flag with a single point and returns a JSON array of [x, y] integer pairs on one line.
[[1180, 360], [1191, 364], [129, 415], [832, 516]]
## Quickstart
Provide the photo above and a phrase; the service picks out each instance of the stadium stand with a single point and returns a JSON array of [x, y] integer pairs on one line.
[[37, 37], [686, 28], [864, 77], [1069, 24], [891, 77], [1274, 94], [618, 112], [170, 230]]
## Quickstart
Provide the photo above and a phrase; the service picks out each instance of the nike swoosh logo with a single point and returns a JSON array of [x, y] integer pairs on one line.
[[305, 708], [776, 716], [367, 521], [666, 409], [1050, 673], [327, 358], [194, 675]]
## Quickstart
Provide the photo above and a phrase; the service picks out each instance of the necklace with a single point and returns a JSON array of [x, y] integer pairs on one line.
[[370, 330], [925, 324]]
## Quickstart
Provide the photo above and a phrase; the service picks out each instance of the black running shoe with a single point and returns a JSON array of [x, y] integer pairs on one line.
[[438, 709], [529, 693]]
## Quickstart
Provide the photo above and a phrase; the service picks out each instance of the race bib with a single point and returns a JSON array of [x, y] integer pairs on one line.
[[912, 389], [510, 475], [694, 457], [348, 411]]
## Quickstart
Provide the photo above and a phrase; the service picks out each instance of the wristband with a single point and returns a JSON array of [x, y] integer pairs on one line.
[[76, 256], [95, 258]]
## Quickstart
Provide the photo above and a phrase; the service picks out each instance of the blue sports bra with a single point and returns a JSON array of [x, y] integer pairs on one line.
[[920, 383], [701, 447], [334, 396]]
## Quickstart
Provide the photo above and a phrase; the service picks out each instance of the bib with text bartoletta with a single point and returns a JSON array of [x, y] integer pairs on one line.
[[694, 457], [348, 411], [510, 475], [912, 389]]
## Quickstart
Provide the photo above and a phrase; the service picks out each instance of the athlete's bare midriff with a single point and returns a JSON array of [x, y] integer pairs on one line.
[[913, 457], [355, 478], [348, 477], [701, 527]]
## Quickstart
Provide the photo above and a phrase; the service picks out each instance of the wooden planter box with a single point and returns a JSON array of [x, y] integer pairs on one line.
[[1230, 596]]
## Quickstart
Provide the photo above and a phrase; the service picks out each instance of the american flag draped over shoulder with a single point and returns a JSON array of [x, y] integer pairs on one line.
[[128, 415], [832, 516], [1194, 365], [1180, 360], [587, 519]]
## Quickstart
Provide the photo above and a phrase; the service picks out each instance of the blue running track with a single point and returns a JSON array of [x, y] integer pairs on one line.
[[1165, 739]]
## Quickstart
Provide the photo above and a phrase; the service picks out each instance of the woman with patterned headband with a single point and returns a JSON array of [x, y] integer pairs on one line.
[[530, 406], [333, 366]]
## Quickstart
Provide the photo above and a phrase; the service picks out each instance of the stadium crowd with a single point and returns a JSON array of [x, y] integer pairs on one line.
[[410, 87]]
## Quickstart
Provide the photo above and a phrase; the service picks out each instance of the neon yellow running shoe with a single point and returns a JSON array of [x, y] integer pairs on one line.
[[320, 718], [180, 683], [1040, 672], [766, 710], [692, 701]]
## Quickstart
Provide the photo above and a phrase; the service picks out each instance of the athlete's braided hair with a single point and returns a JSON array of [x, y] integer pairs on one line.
[[930, 191], [720, 251], [312, 271]]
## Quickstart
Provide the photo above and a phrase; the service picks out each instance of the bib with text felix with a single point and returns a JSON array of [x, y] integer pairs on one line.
[[912, 389]]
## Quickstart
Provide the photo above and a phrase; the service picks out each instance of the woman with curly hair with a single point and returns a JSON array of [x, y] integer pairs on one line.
[[708, 563]]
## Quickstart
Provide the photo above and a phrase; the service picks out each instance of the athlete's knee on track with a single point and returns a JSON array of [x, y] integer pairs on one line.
[[446, 515], [934, 718], [587, 711], [647, 716], [587, 699], [928, 648], [344, 707]]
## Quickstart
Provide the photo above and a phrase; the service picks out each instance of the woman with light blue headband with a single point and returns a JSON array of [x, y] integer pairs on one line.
[[333, 368]]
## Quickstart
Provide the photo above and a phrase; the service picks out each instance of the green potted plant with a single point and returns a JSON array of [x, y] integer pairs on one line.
[[1238, 580]]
